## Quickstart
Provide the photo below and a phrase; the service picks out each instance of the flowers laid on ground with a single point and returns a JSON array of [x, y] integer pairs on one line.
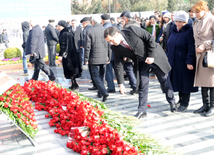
[[16, 105], [96, 129]]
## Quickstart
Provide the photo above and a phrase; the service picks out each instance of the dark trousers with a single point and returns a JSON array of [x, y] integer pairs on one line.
[[184, 99], [144, 84], [51, 55], [98, 72], [109, 75], [6, 44], [90, 72], [40, 64], [128, 67]]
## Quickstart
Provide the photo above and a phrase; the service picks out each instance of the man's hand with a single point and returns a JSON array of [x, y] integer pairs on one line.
[[108, 62], [122, 89], [60, 58], [86, 63], [149, 60]]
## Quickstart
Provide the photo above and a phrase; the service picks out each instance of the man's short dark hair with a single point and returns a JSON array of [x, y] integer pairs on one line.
[[73, 20], [111, 31]]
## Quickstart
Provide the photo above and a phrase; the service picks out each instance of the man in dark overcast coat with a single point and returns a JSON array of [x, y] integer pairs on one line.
[[97, 54], [36, 46]]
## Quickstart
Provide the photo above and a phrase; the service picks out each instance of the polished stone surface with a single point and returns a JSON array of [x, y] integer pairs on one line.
[[188, 133]]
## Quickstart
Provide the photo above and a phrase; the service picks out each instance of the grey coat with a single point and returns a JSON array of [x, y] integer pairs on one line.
[[52, 38], [97, 49], [35, 42], [203, 34]]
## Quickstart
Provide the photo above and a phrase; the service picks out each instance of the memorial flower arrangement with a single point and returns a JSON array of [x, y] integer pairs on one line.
[[91, 127], [16, 105]]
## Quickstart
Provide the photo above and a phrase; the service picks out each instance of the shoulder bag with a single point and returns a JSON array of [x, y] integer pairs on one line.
[[208, 60]]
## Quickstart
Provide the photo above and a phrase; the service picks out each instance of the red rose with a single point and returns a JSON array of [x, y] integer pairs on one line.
[[6, 105], [19, 115]]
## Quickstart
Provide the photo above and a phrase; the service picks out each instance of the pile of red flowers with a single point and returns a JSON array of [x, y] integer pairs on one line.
[[15, 104], [67, 111]]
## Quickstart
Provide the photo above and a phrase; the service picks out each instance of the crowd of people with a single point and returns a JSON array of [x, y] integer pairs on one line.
[[168, 46]]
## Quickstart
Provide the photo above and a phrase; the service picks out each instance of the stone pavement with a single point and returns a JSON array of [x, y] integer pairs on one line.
[[188, 133]]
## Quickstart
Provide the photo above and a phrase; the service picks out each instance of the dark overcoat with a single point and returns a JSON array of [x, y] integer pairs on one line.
[[143, 45], [180, 52], [66, 41], [35, 42], [78, 39], [97, 50], [51, 35]]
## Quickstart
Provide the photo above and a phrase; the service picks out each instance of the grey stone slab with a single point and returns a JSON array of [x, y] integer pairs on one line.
[[189, 133]]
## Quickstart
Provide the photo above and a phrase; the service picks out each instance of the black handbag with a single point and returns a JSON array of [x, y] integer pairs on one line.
[[208, 60]]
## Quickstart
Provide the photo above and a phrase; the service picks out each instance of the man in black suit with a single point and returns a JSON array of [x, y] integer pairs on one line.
[[78, 39], [140, 46], [52, 40], [35, 46]]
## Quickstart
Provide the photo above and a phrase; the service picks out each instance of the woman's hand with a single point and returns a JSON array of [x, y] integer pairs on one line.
[[60, 58], [190, 67], [200, 49]]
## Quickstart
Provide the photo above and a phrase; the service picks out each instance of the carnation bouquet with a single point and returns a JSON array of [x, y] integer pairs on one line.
[[16, 105]]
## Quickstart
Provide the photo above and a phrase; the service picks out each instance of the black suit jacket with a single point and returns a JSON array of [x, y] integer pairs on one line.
[[78, 38], [143, 45], [52, 38]]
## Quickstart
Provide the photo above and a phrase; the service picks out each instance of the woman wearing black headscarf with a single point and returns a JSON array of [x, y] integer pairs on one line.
[[68, 54]]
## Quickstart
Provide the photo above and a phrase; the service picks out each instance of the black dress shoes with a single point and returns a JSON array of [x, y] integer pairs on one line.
[[52, 78], [111, 90], [173, 107], [105, 97], [132, 92], [93, 88], [140, 115], [99, 95], [181, 108]]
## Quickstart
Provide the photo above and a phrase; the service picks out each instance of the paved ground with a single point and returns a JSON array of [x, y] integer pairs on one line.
[[188, 133]]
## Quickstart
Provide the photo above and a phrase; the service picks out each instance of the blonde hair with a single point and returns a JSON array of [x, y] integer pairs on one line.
[[200, 6]]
